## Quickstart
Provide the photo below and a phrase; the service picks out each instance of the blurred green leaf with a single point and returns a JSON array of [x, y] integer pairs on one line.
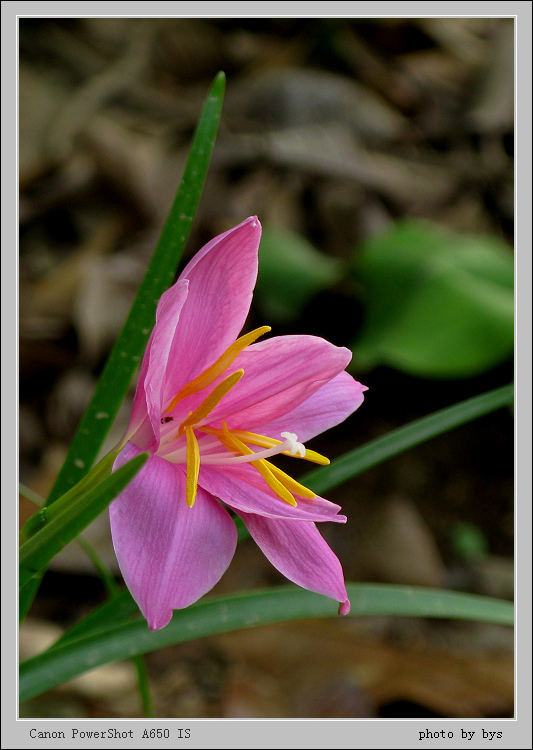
[[291, 272], [468, 542], [244, 610], [437, 304]]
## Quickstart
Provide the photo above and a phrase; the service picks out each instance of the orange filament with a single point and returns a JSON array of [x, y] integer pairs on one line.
[[217, 368], [209, 403]]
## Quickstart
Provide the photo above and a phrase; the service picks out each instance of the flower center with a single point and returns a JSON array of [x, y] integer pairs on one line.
[[224, 447]]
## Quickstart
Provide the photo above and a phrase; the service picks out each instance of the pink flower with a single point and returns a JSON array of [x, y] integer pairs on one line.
[[211, 408]]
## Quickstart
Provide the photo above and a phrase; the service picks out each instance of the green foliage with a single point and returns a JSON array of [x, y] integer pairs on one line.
[[127, 352], [124, 639], [291, 272], [437, 304], [468, 542], [381, 449], [65, 521]]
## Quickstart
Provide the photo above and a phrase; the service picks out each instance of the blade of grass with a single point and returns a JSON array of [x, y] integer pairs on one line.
[[46, 513], [123, 360], [244, 610], [36, 553], [113, 591], [120, 609], [376, 451], [102, 569]]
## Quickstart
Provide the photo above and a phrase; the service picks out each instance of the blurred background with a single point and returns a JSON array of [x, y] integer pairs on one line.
[[378, 155]]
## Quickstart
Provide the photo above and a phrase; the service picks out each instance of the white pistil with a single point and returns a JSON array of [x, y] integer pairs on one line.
[[205, 443], [290, 444]]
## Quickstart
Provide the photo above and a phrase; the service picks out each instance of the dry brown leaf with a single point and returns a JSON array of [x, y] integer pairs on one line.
[[464, 684]]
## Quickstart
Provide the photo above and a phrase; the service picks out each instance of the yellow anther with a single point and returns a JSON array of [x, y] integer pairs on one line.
[[291, 484], [193, 466], [217, 368], [208, 404], [314, 457], [261, 465]]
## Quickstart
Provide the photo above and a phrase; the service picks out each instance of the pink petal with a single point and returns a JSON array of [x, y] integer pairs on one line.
[[279, 374], [153, 370], [329, 406], [169, 554], [298, 551], [146, 410], [241, 487], [221, 279]]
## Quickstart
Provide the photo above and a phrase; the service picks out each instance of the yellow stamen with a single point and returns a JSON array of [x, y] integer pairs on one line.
[[266, 442], [209, 403], [261, 465], [225, 438], [291, 484], [217, 368], [193, 466]]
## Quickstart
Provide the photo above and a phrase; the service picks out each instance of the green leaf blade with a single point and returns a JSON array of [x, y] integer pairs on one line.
[[126, 354], [375, 452], [244, 610], [36, 553], [117, 610]]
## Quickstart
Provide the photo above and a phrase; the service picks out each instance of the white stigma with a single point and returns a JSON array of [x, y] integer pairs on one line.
[[293, 445]]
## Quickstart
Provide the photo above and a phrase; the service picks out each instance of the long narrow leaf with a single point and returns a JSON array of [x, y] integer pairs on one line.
[[355, 462], [120, 609], [124, 358], [118, 372], [113, 590], [47, 513], [37, 552], [244, 610]]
